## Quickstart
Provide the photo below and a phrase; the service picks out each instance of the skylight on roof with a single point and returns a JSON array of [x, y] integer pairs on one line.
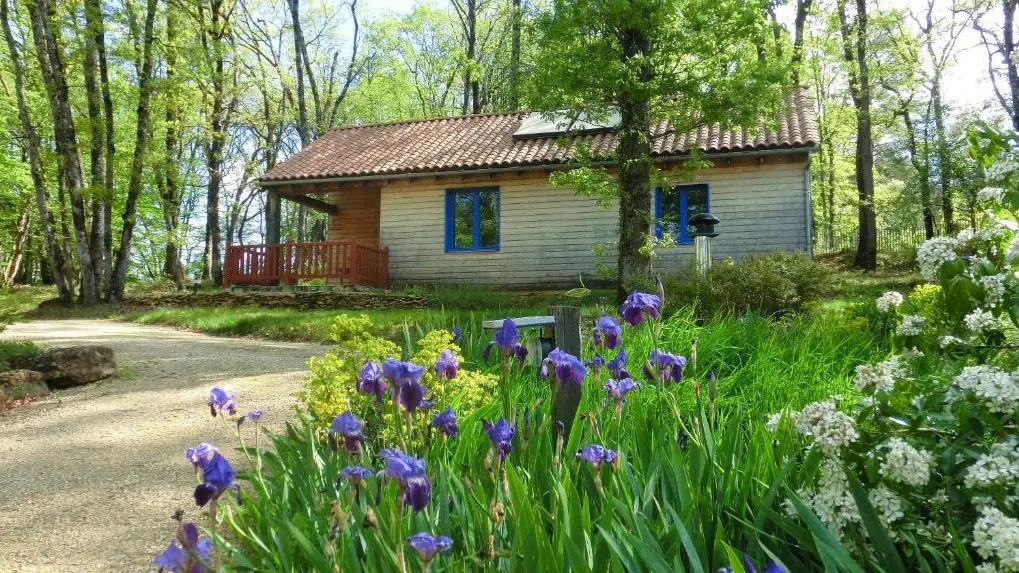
[[538, 124]]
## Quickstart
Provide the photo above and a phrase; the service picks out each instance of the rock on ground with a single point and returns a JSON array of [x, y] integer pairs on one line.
[[19, 384], [71, 366], [90, 476]]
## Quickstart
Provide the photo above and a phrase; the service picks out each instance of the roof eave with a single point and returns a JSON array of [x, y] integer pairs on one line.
[[811, 148]]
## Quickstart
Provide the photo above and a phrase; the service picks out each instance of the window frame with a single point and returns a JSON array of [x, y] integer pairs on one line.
[[684, 224], [475, 193]]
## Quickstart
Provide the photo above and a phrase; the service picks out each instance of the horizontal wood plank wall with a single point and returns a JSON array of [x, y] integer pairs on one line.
[[358, 217], [548, 235]]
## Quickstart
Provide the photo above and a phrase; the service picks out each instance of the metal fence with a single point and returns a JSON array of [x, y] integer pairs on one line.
[[888, 240]]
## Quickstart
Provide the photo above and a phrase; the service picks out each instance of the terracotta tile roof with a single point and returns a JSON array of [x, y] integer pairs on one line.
[[486, 141]]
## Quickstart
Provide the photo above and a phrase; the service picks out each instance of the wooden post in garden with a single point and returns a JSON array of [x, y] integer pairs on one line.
[[567, 338]]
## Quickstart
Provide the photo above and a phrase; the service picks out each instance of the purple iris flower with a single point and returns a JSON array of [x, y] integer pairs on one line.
[[254, 415], [217, 476], [222, 401], [401, 466], [501, 435], [409, 472], [190, 556], [354, 474], [596, 362], [428, 546], [446, 422], [419, 492], [617, 389], [369, 380], [412, 396], [400, 373], [568, 368], [667, 366], [447, 365], [200, 455], [457, 335], [507, 339], [617, 366], [349, 427], [639, 305], [607, 332], [596, 455]]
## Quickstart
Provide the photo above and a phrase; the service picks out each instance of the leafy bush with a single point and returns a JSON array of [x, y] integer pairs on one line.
[[331, 386], [770, 284], [920, 475]]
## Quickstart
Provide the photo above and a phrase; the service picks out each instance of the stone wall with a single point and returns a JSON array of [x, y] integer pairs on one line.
[[302, 300]]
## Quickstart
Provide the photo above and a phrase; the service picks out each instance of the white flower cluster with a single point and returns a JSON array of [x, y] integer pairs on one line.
[[832, 501], [992, 385], [912, 325], [887, 504], [1000, 168], [966, 235], [990, 194], [994, 289], [889, 300], [1012, 251], [905, 464], [935, 252], [998, 467], [773, 422], [879, 377], [996, 536], [980, 320], [829, 428], [949, 340]]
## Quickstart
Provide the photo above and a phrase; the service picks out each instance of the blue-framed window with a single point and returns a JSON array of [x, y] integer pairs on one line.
[[472, 219], [674, 206]]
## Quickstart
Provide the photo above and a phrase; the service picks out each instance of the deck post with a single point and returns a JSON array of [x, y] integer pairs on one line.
[[352, 262], [567, 338]]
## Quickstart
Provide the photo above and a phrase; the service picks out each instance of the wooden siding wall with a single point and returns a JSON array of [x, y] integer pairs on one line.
[[358, 217], [548, 235]]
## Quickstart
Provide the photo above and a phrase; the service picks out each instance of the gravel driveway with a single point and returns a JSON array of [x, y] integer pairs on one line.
[[90, 476]]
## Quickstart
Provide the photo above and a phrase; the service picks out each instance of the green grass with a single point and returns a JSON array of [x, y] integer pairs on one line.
[[13, 349]]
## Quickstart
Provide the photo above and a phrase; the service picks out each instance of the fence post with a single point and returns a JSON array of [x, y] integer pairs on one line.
[[385, 267], [352, 262], [567, 338]]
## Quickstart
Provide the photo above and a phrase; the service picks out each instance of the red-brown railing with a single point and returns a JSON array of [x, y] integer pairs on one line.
[[350, 262]]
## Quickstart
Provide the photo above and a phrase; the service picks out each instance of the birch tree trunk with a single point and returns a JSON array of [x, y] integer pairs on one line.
[[116, 292], [45, 32]]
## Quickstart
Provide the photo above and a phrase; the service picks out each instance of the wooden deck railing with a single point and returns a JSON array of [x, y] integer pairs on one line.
[[350, 262]]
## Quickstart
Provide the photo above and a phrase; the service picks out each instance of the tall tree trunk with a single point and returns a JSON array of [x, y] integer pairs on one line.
[[22, 232], [45, 32], [138, 163], [802, 11], [1009, 50], [214, 152], [170, 191], [854, 39], [634, 155], [57, 265], [516, 16], [100, 115], [945, 159], [921, 165]]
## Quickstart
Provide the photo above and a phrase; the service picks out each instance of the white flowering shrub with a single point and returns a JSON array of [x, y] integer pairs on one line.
[[926, 464]]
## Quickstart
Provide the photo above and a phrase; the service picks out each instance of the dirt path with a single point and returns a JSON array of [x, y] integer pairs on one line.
[[90, 476]]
